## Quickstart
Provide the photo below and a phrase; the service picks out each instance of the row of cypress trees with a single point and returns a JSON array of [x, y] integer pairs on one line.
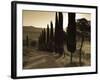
[[53, 40], [46, 39], [42, 40], [50, 40]]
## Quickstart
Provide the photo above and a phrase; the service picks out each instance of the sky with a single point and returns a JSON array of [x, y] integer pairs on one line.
[[40, 19]]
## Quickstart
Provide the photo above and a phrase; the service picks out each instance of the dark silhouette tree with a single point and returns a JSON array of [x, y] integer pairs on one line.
[[27, 41], [39, 42], [44, 39], [83, 25], [42, 35], [51, 37], [56, 33], [84, 30], [71, 34], [60, 33], [33, 43], [48, 38]]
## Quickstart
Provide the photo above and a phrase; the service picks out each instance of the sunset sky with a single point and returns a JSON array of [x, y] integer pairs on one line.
[[40, 19]]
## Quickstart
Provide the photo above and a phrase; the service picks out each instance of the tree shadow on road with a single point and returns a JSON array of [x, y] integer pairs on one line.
[[74, 64]]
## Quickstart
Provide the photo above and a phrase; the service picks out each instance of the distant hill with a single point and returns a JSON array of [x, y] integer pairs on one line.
[[31, 29], [32, 32]]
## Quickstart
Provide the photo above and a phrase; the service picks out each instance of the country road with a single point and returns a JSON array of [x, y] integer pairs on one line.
[[35, 59]]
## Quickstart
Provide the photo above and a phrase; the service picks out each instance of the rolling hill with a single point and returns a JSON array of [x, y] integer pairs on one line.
[[32, 32]]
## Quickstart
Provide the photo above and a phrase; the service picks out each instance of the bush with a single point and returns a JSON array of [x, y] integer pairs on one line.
[[33, 43]]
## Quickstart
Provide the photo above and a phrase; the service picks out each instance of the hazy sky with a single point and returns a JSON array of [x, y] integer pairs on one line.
[[41, 19]]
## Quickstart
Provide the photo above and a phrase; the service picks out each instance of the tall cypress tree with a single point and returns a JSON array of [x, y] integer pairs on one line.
[[39, 42], [71, 34], [51, 37], [56, 33], [51, 31], [61, 33], [44, 39], [48, 36]]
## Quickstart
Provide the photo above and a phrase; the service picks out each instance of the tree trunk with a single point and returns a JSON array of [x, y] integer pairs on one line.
[[27, 41], [71, 58], [80, 56]]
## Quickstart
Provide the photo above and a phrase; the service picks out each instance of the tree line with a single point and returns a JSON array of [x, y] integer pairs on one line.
[[53, 41]]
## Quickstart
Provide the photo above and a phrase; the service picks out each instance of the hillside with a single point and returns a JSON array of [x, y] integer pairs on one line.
[[32, 32]]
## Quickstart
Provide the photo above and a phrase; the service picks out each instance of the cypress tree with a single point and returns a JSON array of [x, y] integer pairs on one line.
[[56, 34], [39, 42], [48, 36], [60, 21], [44, 39], [51, 37], [71, 34], [51, 31], [61, 34]]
